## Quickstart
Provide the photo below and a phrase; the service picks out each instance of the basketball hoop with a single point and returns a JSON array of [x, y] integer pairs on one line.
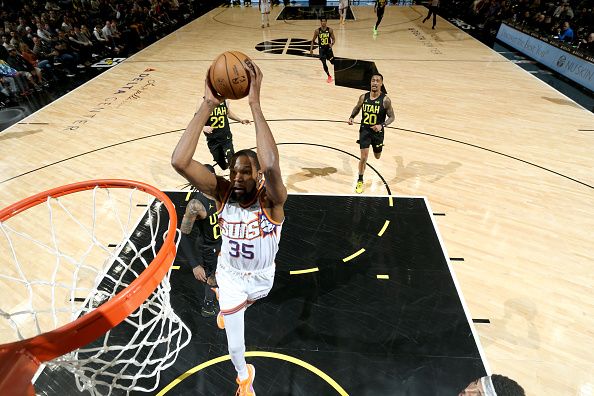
[[131, 284]]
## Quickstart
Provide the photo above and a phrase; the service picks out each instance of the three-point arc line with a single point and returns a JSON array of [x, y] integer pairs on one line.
[[304, 271], [384, 228], [352, 256]]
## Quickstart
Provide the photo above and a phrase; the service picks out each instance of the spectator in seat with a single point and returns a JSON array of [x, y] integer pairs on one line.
[[44, 65], [587, 44], [566, 33], [81, 44], [24, 69]]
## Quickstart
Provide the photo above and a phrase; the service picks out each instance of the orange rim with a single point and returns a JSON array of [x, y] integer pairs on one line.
[[47, 346]]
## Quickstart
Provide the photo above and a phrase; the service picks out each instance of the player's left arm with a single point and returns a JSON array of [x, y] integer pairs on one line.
[[332, 38], [389, 112], [313, 40], [234, 117], [276, 192]]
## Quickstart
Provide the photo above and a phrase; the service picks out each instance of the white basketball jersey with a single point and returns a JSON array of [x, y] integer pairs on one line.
[[249, 237]]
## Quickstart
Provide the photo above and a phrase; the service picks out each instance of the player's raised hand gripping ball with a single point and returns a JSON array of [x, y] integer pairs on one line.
[[229, 75]]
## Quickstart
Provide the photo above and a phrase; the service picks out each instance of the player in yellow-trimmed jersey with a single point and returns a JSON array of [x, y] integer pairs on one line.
[[324, 37], [375, 105], [218, 133], [379, 7]]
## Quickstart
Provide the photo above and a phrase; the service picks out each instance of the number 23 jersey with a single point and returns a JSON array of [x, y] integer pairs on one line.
[[219, 122], [250, 237]]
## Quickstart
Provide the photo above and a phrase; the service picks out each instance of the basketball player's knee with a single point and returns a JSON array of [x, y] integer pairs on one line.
[[377, 150], [236, 349]]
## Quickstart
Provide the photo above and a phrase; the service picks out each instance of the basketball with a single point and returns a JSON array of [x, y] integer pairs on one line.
[[229, 75]]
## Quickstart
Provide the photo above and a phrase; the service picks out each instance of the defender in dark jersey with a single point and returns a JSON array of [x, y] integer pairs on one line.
[[376, 105], [379, 7], [324, 37], [201, 245], [218, 134]]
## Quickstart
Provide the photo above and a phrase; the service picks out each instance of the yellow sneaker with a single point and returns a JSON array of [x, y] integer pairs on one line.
[[359, 187], [220, 321], [246, 387]]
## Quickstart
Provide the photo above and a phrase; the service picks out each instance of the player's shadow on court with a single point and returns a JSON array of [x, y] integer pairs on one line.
[[416, 169], [308, 174]]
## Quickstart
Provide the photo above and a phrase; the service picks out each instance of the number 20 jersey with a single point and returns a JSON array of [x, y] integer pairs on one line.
[[250, 237], [374, 112]]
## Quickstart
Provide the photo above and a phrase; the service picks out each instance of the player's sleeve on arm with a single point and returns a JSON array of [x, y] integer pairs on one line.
[[187, 248]]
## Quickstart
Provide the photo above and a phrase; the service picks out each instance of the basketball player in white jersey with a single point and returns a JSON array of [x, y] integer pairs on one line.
[[250, 218], [264, 6]]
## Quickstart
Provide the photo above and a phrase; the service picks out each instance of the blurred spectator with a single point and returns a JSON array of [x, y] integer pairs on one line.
[[44, 65], [81, 44], [24, 69], [43, 33], [563, 12], [566, 33], [51, 37], [587, 44]]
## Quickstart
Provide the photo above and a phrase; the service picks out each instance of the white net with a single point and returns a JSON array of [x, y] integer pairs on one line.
[[61, 260]]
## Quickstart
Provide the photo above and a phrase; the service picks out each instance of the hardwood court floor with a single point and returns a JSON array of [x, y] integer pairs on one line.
[[503, 155]]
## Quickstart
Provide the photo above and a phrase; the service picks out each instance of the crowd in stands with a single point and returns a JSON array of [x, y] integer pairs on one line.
[[45, 42], [570, 22]]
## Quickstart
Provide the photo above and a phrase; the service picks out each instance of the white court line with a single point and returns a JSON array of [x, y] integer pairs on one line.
[[459, 290]]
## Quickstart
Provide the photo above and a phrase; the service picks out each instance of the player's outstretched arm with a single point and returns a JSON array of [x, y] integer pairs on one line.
[[234, 116], [182, 160], [356, 109], [276, 192]]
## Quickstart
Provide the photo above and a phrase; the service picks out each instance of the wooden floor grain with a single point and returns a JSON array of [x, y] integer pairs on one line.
[[495, 149]]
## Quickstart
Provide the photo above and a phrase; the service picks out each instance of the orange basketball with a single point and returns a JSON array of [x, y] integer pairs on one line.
[[229, 75]]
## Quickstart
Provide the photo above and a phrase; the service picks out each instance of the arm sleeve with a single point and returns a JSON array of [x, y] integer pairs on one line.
[[187, 248]]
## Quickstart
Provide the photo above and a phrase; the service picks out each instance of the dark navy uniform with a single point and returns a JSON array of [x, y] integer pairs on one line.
[[374, 113], [220, 141]]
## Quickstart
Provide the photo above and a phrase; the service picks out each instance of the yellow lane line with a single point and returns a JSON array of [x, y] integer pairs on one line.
[[384, 228], [305, 271], [352, 256]]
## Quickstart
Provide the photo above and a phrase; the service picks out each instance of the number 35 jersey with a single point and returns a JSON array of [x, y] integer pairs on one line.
[[374, 112], [250, 237]]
